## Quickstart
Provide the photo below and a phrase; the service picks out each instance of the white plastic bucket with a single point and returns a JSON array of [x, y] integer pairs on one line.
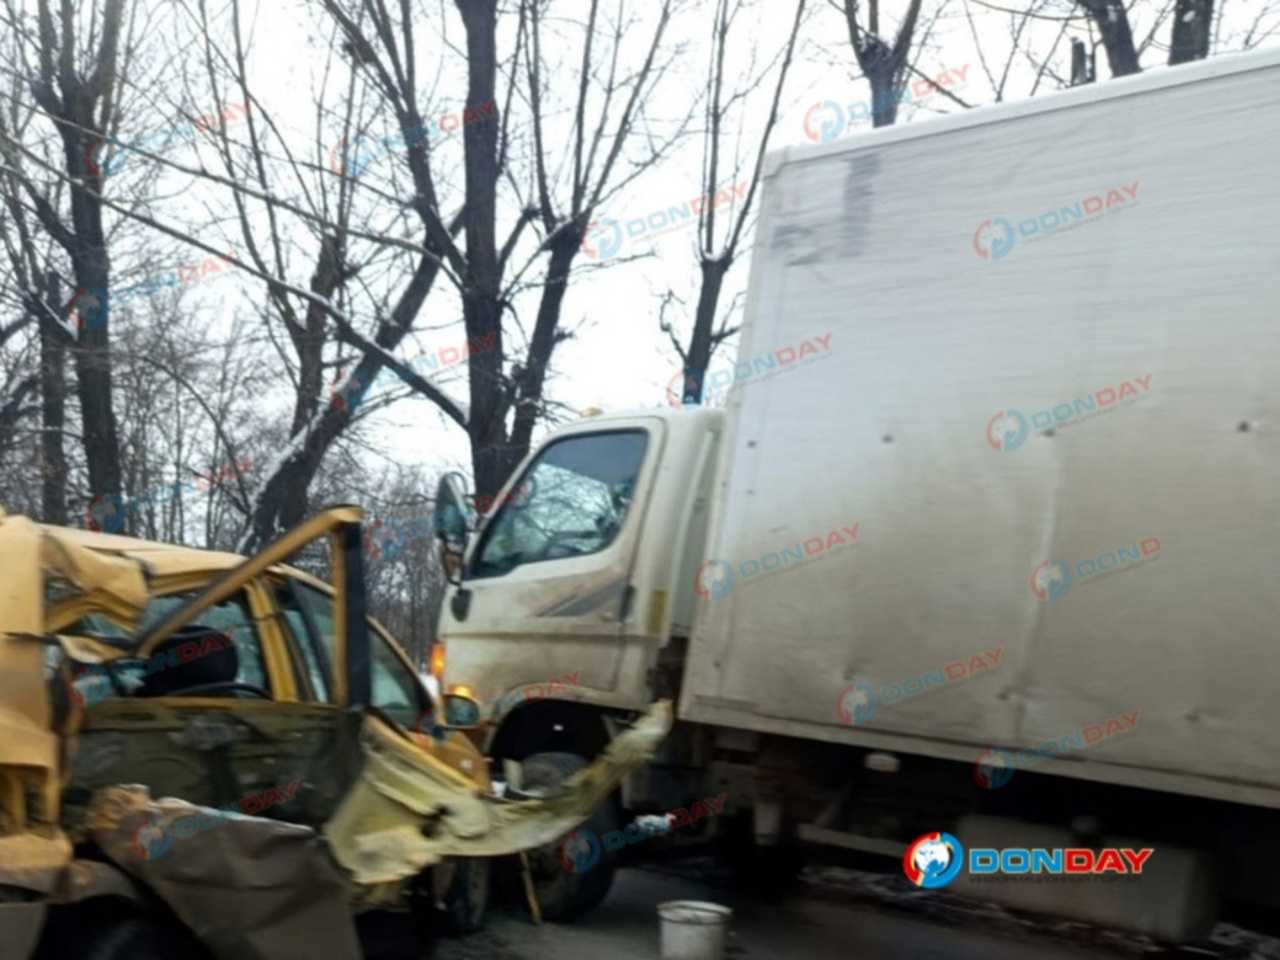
[[693, 930]]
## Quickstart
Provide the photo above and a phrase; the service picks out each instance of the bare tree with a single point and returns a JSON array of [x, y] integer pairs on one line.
[[1192, 26], [53, 402], [883, 63], [1189, 36], [1112, 21], [505, 406], [78, 92], [258, 171], [716, 258], [405, 581]]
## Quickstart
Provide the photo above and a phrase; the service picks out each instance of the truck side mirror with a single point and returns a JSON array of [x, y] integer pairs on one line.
[[452, 523], [461, 712]]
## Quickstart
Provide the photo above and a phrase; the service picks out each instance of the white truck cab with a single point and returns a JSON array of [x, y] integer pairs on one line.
[[583, 565]]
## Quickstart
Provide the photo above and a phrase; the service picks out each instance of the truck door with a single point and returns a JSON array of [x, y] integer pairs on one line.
[[552, 567]]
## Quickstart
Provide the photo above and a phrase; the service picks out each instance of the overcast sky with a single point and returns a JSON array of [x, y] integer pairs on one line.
[[618, 358]]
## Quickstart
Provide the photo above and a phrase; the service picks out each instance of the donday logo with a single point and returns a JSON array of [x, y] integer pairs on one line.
[[995, 236], [675, 392], [101, 515], [1051, 580], [91, 156], [933, 860], [87, 309], [580, 851], [1007, 431], [603, 239], [993, 239], [715, 579], [857, 703], [151, 841], [830, 128], [993, 769], [711, 397]]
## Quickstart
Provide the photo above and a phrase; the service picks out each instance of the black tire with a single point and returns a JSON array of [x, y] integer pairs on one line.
[[467, 899], [565, 892], [768, 870], [90, 933]]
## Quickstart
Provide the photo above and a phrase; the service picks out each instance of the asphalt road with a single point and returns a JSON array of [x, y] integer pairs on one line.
[[879, 919]]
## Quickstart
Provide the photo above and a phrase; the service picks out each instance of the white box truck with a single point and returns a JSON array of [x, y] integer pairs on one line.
[[985, 538]]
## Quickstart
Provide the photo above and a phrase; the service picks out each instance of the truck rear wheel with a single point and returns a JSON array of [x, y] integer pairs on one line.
[[567, 883]]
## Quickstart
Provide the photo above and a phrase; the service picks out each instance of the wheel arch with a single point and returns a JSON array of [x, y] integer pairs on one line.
[[550, 726]]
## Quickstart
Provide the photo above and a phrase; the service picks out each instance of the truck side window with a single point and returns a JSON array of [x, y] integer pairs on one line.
[[573, 501]]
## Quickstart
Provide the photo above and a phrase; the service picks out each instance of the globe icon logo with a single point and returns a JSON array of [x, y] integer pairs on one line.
[[1007, 430], [933, 860], [828, 128], [857, 703], [104, 514], [603, 239], [714, 579], [993, 239], [1050, 581], [993, 769], [580, 851]]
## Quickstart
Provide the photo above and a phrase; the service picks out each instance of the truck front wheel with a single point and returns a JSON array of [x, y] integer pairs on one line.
[[572, 874]]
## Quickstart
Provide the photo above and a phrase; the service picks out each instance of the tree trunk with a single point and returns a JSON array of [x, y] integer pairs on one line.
[[1192, 23], [1112, 21], [531, 384], [884, 101], [698, 356], [283, 502], [310, 341], [482, 295], [72, 100], [884, 65], [93, 370], [53, 399]]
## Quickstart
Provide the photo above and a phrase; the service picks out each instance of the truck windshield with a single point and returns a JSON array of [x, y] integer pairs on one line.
[[573, 500]]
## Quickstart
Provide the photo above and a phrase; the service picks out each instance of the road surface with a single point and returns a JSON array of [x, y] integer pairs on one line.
[[874, 918]]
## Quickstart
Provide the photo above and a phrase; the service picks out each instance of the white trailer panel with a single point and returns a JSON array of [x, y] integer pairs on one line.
[[1104, 263]]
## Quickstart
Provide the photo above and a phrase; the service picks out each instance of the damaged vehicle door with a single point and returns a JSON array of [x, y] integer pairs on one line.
[[265, 706]]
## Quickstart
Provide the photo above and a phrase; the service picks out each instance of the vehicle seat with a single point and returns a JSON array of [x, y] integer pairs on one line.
[[193, 657]]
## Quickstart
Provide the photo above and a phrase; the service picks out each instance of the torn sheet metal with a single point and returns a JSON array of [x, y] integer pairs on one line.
[[34, 860], [34, 851], [408, 811], [248, 887]]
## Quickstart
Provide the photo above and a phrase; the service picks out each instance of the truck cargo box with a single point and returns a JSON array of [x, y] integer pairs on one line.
[[1003, 445]]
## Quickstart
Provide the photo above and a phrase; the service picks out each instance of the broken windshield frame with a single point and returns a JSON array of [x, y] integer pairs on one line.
[[576, 496]]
